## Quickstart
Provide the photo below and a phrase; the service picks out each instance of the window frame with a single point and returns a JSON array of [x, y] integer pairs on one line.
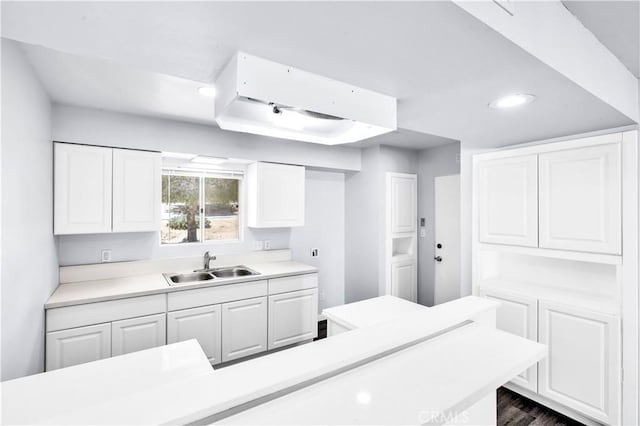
[[202, 175]]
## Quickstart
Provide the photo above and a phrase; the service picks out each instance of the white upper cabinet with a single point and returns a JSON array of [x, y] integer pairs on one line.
[[82, 187], [99, 190], [508, 201], [276, 194], [137, 186], [580, 199], [403, 203]]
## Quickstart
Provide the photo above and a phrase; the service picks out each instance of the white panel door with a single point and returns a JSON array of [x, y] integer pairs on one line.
[[137, 187], [137, 334], [580, 199], [203, 324], [276, 195], [244, 328], [82, 189], [404, 280], [447, 239], [78, 345], [508, 201], [582, 370], [402, 196], [517, 315], [293, 317]]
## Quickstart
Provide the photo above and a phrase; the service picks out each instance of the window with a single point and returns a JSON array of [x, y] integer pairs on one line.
[[188, 198]]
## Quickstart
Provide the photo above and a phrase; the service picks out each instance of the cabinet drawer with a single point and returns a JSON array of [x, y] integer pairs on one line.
[[100, 312], [214, 295], [294, 283]]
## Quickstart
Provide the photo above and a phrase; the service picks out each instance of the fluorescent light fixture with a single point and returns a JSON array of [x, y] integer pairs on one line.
[[178, 155], [207, 91], [201, 159], [266, 98], [512, 101]]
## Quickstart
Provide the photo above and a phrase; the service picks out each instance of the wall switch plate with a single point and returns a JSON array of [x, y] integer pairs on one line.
[[267, 244], [105, 256], [423, 232], [314, 252], [258, 245]]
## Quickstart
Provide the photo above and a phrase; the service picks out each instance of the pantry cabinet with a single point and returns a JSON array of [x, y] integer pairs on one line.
[[137, 334], [403, 202], [275, 195], [77, 345], [244, 328], [404, 275], [203, 324], [293, 317]]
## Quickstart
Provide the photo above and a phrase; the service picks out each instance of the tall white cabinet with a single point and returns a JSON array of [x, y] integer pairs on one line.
[[100, 190], [548, 224]]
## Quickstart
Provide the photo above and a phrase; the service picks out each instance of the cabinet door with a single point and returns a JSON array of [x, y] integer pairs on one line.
[[78, 345], [517, 315], [580, 199], [404, 280], [244, 328], [508, 201], [82, 189], [137, 186], [402, 198], [582, 370], [293, 317], [137, 334], [276, 195], [203, 324]]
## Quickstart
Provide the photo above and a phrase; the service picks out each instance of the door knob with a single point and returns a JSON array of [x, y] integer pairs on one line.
[[438, 258]]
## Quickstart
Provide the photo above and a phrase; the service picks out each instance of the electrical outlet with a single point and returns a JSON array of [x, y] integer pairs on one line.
[[258, 245], [314, 252], [267, 244], [106, 255]]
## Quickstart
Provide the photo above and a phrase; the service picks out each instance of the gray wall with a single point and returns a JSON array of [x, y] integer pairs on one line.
[[438, 161], [27, 211]]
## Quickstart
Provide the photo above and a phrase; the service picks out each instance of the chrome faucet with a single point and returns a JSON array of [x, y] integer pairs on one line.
[[208, 258]]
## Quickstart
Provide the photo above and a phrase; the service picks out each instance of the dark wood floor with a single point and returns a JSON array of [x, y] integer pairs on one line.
[[516, 410]]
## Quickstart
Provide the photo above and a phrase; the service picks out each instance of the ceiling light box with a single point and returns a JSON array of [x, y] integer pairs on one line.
[[262, 97]]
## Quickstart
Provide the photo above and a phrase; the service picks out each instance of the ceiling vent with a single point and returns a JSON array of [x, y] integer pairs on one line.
[[262, 97]]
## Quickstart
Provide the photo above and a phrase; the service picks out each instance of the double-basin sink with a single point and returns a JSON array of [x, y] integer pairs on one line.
[[204, 275]]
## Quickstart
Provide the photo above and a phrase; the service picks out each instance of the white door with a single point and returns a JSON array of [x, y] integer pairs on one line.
[[244, 328], [137, 334], [137, 187], [78, 345], [203, 324], [276, 194], [293, 317], [82, 189], [447, 238], [404, 279], [517, 315], [582, 370], [508, 201], [580, 199], [402, 190]]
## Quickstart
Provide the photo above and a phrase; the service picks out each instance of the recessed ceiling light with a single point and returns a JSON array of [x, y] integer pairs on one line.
[[512, 101], [207, 91]]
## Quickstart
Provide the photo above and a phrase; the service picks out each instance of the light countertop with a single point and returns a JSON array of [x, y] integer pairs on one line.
[[371, 311], [81, 292]]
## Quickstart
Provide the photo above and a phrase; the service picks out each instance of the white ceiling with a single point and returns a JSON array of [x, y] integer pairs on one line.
[[443, 65], [616, 24], [403, 138]]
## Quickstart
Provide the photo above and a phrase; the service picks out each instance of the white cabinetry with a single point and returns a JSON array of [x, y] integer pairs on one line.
[[508, 201], [244, 328], [293, 317], [403, 202], [77, 346], [518, 314], [276, 194], [582, 370], [137, 334], [100, 190], [82, 186], [403, 279], [580, 199], [203, 324], [137, 186]]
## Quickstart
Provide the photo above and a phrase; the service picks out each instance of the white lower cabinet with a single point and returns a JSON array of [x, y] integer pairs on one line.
[[404, 278], [582, 370], [203, 324], [518, 314], [78, 345], [244, 328], [293, 317], [136, 334]]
